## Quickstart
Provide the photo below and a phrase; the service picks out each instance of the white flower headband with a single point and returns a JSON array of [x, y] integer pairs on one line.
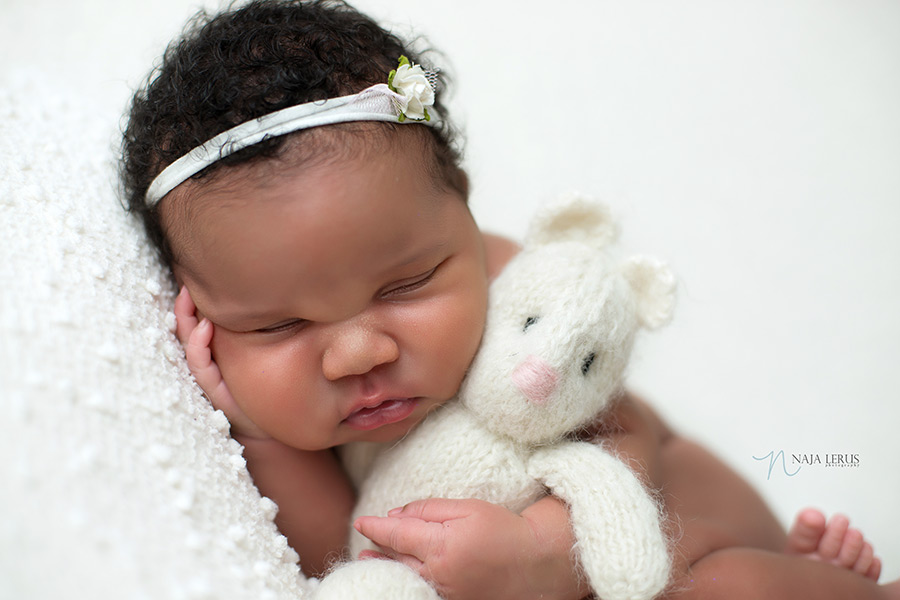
[[404, 99]]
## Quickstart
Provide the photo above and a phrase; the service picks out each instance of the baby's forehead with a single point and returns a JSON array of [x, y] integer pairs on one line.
[[333, 150]]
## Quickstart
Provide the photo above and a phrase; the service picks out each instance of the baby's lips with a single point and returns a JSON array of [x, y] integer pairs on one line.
[[388, 412]]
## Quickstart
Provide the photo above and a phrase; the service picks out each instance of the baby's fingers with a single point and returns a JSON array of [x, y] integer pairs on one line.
[[439, 509], [199, 356], [397, 537], [185, 315], [372, 525], [206, 371], [195, 337]]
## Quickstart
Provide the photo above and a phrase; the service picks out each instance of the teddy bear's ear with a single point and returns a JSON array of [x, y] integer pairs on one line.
[[572, 218], [653, 285]]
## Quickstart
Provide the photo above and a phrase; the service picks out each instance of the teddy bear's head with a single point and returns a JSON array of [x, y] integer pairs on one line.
[[561, 322]]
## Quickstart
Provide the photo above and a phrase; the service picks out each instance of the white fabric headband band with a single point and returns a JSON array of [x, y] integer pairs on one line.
[[404, 99]]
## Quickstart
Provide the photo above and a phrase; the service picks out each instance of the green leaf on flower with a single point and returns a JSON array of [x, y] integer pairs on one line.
[[391, 80], [403, 61], [401, 118]]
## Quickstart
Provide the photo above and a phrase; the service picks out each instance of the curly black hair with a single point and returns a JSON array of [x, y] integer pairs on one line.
[[248, 61]]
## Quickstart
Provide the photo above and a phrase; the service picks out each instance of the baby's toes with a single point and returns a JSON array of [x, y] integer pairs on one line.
[[806, 532], [833, 539], [851, 550], [866, 564], [874, 571]]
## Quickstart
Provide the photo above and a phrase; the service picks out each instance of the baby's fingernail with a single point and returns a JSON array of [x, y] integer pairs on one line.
[[395, 511]]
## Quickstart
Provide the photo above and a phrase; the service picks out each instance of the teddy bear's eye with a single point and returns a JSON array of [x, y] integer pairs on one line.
[[529, 322], [588, 361]]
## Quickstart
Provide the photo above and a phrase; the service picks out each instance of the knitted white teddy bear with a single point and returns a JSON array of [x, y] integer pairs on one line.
[[561, 321]]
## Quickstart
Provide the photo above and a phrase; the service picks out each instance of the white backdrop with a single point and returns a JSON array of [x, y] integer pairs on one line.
[[754, 145]]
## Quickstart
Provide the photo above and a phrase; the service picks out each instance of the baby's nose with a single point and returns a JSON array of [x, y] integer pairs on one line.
[[358, 350], [535, 379]]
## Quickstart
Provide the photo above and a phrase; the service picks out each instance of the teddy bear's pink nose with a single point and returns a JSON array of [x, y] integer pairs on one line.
[[536, 379]]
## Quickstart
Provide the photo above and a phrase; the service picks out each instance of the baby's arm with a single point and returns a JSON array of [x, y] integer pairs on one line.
[[314, 496]]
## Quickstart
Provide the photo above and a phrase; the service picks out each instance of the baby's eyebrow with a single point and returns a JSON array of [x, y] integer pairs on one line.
[[237, 319], [240, 322], [421, 254]]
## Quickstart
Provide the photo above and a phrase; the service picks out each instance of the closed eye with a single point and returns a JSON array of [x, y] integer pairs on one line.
[[529, 322], [406, 286], [283, 326]]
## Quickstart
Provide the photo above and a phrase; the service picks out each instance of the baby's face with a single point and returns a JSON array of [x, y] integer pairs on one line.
[[348, 299]]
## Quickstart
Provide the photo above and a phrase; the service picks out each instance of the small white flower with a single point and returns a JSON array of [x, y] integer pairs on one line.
[[411, 82]]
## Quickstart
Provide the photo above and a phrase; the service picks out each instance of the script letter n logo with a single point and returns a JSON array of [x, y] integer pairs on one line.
[[773, 458]]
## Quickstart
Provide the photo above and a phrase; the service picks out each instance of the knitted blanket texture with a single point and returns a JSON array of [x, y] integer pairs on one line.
[[120, 481]]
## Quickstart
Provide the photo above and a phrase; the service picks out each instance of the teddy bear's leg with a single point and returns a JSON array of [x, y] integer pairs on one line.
[[619, 541], [373, 579]]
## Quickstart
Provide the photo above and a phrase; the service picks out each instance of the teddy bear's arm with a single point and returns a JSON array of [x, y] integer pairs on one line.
[[619, 543], [373, 580]]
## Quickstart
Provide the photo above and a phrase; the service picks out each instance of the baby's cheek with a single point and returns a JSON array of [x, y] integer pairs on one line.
[[268, 386], [223, 350], [244, 368], [461, 331]]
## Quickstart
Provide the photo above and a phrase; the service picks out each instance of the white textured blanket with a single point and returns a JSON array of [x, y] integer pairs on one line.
[[119, 480]]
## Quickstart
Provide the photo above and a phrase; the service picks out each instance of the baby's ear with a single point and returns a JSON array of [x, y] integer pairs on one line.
[[572, 218], [653, 285]]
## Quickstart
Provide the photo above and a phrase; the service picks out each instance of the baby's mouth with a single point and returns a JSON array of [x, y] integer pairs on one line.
[[387, 412]]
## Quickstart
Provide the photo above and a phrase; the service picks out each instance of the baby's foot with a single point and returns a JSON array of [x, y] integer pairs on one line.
[[832, 542]]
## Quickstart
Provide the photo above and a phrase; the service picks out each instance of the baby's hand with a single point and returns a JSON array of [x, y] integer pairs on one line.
[[195, 337], [472, 549]]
